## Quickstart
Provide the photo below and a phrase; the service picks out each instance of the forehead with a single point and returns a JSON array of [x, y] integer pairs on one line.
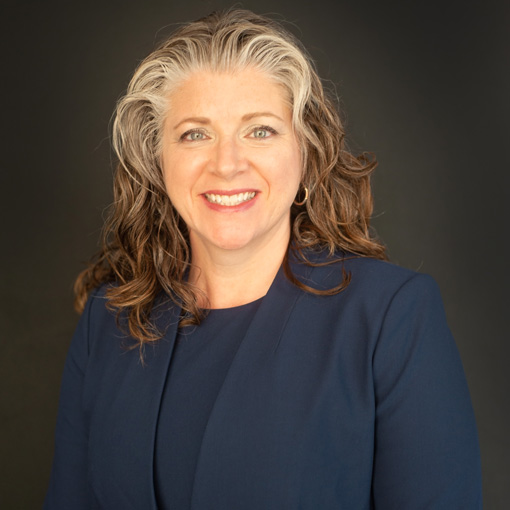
[[216, 94]]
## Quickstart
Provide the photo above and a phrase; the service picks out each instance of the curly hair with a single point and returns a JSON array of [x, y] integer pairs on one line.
[[145, 245]]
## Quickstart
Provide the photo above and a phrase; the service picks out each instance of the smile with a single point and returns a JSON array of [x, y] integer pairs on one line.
[[230, 200]]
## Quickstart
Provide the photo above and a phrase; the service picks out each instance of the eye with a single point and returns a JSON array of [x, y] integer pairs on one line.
[[193, 135], [261, 132]]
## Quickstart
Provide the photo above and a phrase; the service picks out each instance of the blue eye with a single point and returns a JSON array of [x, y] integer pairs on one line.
[[260, 133], [263, 132], [193, 135]]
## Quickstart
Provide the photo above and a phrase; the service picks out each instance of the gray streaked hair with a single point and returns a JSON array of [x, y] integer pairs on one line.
[[145, 247]]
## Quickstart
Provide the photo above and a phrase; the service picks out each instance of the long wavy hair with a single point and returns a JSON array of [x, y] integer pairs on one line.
[[145, 245]]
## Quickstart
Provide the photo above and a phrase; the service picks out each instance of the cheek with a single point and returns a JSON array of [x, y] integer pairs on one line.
[[169, 179], [293, 170], [286, 181], [181, 173], [176, 172], [174, 185]]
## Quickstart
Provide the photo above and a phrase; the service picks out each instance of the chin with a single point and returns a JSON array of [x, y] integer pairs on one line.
[[231, 244], [230, 239]]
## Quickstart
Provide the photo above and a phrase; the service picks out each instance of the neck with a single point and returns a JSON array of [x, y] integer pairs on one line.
[[235, 277]]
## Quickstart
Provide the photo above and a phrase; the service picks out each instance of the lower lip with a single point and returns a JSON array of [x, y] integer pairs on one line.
[[243, 206]]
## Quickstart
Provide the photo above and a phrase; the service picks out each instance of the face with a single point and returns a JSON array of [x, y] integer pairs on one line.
[[231, 161]]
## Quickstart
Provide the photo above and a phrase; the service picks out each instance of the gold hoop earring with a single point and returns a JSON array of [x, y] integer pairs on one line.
[[303, 202]]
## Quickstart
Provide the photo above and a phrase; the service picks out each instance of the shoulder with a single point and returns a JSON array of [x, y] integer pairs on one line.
[[96, 313], [371, 278], [379, 299], [103, 330], [94, 318]]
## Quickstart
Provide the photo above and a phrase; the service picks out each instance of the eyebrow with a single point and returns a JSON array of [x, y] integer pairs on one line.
[[248, 116], [194, 120]]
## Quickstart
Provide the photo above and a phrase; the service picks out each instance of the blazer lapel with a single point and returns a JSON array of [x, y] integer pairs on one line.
[[124, 423], [256, 350]]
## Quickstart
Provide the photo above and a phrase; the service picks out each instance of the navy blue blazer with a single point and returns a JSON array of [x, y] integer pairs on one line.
[[354, 401]]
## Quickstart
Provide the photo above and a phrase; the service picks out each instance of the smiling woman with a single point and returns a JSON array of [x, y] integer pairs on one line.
[[232, 166], [290, 366]]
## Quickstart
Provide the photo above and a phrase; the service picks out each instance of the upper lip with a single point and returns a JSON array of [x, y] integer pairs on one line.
[[229, 192]]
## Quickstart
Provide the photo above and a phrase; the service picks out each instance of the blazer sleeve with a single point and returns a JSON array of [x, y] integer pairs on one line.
[[68, 487], [426, 446]]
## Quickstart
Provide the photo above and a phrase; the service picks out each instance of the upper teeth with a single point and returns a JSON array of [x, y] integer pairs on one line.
[[230, 200]]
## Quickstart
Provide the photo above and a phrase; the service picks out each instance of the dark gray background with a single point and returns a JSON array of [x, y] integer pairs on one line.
[[423, 84]]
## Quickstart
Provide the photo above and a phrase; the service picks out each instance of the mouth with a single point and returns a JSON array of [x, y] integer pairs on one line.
[[230, 200]]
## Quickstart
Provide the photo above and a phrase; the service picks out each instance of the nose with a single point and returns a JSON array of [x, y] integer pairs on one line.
[[229, 158]]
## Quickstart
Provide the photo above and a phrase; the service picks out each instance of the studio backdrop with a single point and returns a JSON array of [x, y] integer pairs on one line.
[[424, 86]]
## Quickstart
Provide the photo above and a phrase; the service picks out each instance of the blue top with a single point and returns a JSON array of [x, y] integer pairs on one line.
[[200, 361], [352, 401]]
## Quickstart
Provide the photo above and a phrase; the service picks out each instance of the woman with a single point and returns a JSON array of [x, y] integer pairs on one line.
[[280, 361]]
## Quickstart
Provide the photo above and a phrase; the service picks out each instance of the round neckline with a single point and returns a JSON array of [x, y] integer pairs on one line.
[[208, 311]]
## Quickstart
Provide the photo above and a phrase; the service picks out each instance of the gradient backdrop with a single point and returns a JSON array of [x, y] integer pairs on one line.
[[422, 84]]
